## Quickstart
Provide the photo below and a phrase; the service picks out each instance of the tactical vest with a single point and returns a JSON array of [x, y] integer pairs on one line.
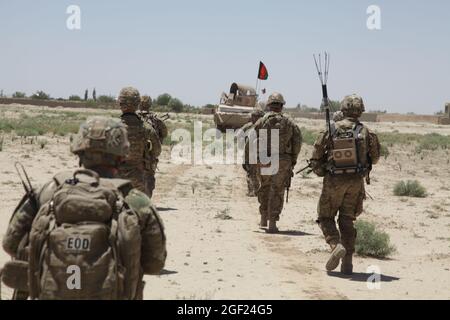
[[348, 150], [85, 242], [280, 122], [137, 138]]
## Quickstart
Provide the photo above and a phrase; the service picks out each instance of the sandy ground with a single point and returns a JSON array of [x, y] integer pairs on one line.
[[215, 258]]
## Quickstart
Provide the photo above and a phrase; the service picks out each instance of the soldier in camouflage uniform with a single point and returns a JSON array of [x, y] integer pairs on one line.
[[159, 127], [272, 187], [140, 136], [250, 169], [101, 146], [343, 190]]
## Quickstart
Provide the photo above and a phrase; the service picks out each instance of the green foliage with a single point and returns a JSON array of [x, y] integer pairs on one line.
[[164, 99], [74, 98], [384, 152], [309, 137], [410, 189], [306, 109], [19, 95], [176, 105], [433, 141], [106, 99], [371, 242], [41, 95]]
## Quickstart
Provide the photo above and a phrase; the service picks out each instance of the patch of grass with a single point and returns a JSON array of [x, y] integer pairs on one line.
[[432, 141], [371, 242], [384, 151], [410, 188], [224, 215], [309, 137]]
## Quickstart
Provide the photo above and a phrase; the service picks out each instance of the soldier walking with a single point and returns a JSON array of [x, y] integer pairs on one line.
[[344, 158], [272, 187]]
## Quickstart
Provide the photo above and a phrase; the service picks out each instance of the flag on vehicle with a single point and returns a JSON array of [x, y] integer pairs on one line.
[[263, 74]]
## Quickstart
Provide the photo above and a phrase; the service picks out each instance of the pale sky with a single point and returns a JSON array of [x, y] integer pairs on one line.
[[195, 49]]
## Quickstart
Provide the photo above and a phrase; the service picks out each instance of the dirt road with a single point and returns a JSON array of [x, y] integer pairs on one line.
[[216, 249]]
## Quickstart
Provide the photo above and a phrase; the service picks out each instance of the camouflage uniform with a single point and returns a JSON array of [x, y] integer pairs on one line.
[[139, 135], [272, 187], [343, 193], [158, 133], [251, 169], [96, 152]]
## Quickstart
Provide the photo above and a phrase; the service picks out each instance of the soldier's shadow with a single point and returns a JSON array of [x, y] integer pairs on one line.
[[291, 233], [166, 209], [362, 277]]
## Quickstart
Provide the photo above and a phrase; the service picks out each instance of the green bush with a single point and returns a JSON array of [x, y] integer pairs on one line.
[[106, 99], [371, 242], [164, 99], [384, 152], [41, 95], [433, 142], [176, 105], [74, 98], [19, 95], [309, 137], [410, 188]]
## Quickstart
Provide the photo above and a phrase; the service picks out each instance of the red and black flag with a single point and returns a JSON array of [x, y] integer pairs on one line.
[[263, 74]]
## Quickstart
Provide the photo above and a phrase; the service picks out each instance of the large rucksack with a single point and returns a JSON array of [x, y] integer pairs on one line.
[[276, 121], [84, 243], [348, 151]]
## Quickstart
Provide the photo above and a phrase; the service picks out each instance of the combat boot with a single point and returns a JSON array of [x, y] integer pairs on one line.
[[347, 265], [337, 253], [272, 226], [263, 223]]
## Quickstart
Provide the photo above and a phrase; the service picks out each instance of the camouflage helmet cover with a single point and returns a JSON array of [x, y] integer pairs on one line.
[[101, 135], [129, 99], [276, 98], [146, 103], [352, 106]]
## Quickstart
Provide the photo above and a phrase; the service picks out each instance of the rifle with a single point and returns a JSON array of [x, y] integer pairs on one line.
[[288, 186], [322, 70], [307, 167], [31, 196]]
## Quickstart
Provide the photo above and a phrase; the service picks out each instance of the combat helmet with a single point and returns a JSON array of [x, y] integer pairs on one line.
[[276, 98], [101, 141], [146, 103], [129, 99], [352, 106]]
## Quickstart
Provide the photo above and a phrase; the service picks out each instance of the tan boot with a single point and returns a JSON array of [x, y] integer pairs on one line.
[[263, 223], [272, 226], [337, 253], [347, 265]]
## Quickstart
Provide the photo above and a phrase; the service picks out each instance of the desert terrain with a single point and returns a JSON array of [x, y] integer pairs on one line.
[[215, 247]]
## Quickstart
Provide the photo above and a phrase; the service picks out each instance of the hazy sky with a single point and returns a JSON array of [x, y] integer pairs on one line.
[[194, 49]]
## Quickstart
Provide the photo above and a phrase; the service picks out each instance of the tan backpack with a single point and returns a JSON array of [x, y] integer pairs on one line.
[[84, 243], [348, 154]]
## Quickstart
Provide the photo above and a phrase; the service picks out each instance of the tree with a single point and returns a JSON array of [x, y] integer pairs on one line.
[[176, 105], [164, 99], [19, 95], [86, 95], [74, 98], [41, 95], [106, 99], [94, 95]]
